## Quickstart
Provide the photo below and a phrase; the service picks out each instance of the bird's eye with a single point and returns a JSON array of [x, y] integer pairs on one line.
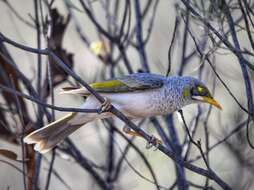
[[199, 91]]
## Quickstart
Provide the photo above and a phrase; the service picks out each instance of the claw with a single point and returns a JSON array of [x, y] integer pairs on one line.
[[153, 142], [157, 144], [149, 145], [105, 106]]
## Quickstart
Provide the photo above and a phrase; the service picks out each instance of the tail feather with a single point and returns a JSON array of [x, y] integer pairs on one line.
[[46, 144], [49, 136]]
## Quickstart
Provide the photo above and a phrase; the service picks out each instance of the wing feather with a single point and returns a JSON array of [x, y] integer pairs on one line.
[[129, 83]]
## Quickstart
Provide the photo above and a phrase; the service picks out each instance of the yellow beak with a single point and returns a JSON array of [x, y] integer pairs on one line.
[[212, 102]]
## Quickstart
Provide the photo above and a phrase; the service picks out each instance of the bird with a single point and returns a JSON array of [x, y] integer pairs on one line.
[[137, 96]]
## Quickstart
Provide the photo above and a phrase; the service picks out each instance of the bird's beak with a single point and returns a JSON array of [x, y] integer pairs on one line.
[[208, 100], [212, 102]]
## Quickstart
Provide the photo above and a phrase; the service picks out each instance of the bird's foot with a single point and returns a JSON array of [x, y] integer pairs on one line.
[[128, 131], [153, 142], [106, 105]]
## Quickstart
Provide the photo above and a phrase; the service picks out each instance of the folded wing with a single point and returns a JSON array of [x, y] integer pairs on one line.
[[128, 83]]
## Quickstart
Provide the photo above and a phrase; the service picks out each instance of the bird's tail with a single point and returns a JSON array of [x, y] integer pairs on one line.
[[49, 136]]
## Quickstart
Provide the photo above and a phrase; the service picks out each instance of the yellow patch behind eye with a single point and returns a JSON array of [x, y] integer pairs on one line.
[[200, 89]]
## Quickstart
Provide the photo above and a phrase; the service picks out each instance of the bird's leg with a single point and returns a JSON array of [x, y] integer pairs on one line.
[[106, 105], [152, 142], [128, 131]]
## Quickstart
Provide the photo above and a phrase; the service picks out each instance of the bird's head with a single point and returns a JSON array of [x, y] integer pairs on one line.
[[194, 91]]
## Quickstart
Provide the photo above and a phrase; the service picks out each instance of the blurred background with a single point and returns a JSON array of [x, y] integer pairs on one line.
[[100, 39]]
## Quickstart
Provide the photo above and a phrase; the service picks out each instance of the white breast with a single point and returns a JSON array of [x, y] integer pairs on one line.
[[133, 105]]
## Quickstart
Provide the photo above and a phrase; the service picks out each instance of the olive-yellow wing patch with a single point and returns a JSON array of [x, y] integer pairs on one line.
[[128, 83], [108, 86]]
